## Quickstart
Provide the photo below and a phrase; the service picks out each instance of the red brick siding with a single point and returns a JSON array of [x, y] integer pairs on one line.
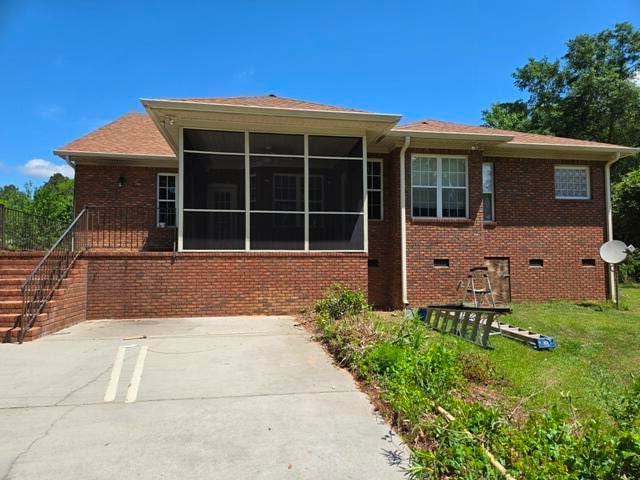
[[381, 245], [530, 223], [98, 185], [140, 285], [129, 219], [69, 304]]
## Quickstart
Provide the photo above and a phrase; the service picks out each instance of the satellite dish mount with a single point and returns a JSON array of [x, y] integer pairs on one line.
[[614, 252]]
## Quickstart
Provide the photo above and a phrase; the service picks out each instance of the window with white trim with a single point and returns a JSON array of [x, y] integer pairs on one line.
[[166, 199], [374, 189], [487, 192], [439, 186], [572, 182]]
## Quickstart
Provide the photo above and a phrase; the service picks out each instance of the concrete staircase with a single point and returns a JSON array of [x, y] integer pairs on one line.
[[14, 269]]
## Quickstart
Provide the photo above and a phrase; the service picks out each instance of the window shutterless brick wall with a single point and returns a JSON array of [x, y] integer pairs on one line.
[[529, 223]]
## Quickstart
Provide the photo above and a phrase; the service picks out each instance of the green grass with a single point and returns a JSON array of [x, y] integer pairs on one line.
[[597, 355], [512, 399]]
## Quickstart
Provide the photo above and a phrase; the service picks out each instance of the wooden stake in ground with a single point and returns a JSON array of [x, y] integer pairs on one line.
[[498, 466]]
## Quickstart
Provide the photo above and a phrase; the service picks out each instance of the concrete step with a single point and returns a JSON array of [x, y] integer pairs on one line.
[[7, 282]]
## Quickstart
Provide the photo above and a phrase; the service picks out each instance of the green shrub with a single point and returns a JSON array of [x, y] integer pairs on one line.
[[630, 268], [340, 301], [414, 374]]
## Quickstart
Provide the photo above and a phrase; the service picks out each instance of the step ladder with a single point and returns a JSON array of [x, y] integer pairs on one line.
[[478, 289]]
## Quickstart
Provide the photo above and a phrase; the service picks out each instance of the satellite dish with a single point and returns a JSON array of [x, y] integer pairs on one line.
[[614, 252]]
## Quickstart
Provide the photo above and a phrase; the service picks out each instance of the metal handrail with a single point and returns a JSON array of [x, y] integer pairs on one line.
[[42, 282], [20, 230], [131, 228]]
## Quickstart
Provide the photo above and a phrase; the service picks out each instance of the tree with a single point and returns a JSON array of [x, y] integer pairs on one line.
[[626, 202], [12, 197], [591, 93], [54, 199]]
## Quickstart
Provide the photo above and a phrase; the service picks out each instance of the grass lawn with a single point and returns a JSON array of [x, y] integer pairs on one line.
[[598, 352]]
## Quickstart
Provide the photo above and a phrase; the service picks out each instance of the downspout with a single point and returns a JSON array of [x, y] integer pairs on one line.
[[72, 165], [609, 212], [403, 221]]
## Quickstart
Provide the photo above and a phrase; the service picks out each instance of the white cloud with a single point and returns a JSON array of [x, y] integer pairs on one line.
[[636, 78], [50, 111], [43, 169], [244, 76]]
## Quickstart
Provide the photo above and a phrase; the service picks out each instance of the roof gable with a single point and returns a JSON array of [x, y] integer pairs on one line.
[[132, 134]]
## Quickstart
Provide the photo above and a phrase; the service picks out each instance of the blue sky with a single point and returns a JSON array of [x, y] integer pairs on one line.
[[69, 67]]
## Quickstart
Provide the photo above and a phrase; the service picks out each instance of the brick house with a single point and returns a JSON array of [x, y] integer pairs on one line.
[[216, 206]]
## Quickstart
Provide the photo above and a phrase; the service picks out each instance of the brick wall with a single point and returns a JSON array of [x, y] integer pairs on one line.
[[530, 223], [98, 185], [69, 304], [126, 216], [153, 284]]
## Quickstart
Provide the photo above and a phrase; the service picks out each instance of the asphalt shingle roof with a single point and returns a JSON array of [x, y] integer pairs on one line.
[[136, 134]]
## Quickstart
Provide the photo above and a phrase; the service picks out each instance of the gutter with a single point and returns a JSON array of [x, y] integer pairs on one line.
[[68, 160], [403, 221], [609, 213]]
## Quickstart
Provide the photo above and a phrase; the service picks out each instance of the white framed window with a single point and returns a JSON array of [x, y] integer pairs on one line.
[[167, 193], [374, 188], [439, 186], [572, 182], [488, 206]]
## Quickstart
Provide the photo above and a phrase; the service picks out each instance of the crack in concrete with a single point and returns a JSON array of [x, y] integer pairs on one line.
[[179, 399], [36, 440]]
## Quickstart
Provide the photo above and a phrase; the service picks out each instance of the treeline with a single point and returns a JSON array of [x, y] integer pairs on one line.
[[592, 93]]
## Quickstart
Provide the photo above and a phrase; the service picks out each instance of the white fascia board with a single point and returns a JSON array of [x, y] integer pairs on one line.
[[64, 154], [150, 103], [479, 137], [624, 151]]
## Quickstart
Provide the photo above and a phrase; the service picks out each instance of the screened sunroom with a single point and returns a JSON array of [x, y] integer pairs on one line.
[[270, 191], [272, 178]]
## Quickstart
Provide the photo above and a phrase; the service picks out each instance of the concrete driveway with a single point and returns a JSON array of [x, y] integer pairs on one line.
[[214, 398]]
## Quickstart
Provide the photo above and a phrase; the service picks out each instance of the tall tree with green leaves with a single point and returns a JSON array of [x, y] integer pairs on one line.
[[54, 199], [592, 93], [12, 197]]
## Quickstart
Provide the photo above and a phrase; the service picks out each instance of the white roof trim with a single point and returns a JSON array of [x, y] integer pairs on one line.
[[275, 111], [76, 153], [450, 135]]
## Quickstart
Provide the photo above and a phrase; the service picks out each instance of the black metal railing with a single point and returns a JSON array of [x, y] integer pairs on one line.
[[22, 231], [131, 228], [42, 282]]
